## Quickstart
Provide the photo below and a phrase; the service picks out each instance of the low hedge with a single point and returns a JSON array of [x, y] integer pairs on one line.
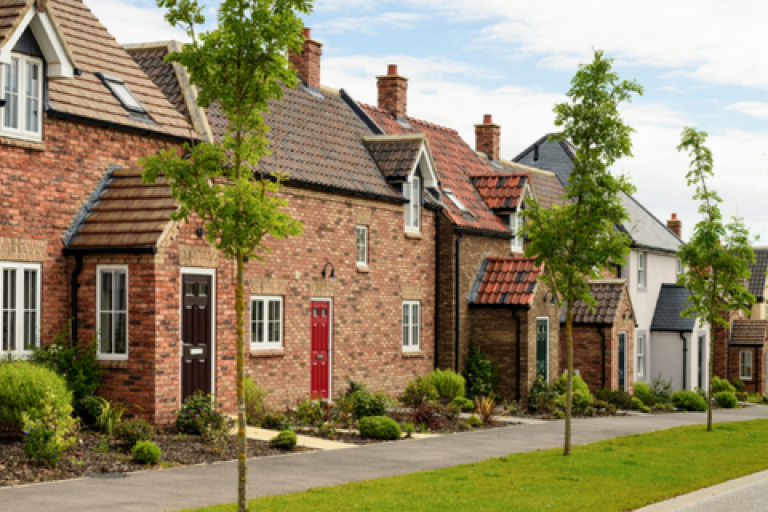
[[689, 400], [26, 387], [380, 427]]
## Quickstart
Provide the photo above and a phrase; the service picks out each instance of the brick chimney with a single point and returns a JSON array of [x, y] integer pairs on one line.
[[488, 137], [393, 92], [675, 225], [308, 63]]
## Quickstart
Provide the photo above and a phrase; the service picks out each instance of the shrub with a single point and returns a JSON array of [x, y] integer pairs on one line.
[[27, 388], [417, 391], [448, 384], [542, 396], [486, 408], [764, 399], [379, 427], [689, 401], [309, 412], [409, 429], [619, 398], [719, 385], [254, 401], [742, 397], [432, 415], [644, 392], [473, 421], [645, 409], [110, 413], [726, 400], [701, 392], [581, 398], [636, 404], [601, 404], [79, 365], [559, 415], [738, 384], [215, 427], [48, 435], [134, 430], [662, 389], [146, 452], [195, 412], [286, 439], [464, 404], [365, 403], [480, 372], [273, 421]]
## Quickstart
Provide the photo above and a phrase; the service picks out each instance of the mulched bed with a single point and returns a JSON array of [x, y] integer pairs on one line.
[[82, 459]]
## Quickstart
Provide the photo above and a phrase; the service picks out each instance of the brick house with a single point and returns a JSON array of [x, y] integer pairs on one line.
[[602, 338], [74, 109]]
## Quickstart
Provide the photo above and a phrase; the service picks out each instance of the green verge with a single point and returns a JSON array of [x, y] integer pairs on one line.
[[619, 474]]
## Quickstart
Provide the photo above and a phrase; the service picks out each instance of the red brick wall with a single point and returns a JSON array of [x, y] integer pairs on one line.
[[757, 384]]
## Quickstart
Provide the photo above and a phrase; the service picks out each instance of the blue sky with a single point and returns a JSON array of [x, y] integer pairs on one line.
[[701, 64]]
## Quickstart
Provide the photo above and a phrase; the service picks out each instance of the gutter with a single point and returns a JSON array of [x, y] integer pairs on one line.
[[109, 250], [601, 332], [299, 183], [685, 359], [456, 307], [484, 232]]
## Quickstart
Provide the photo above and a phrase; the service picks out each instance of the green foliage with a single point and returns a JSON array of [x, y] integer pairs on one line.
[[481, 373], [644, 392], [719, 385], [726, 400], [409, 429], [645, 409], [738, 384], [367, 404], [79, 365], [485, 408], [274, 421], [582, 397], [50, 432], [449, 384], [146, 452], [194, 412], [636, 404], [742, 397], [662, 389], [110, 413], [464, 404], [578, 384], [474, 421], [103, 445], [380, 427], [310, 412], [417, 391], [602, 404], [254, 401], [619, 398], [559, 414], [134, 430], [542, 396], [689, 401], [28, 388], [286, 439]]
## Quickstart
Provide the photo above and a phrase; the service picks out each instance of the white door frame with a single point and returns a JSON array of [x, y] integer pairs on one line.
[[202, 272], [330, 344]]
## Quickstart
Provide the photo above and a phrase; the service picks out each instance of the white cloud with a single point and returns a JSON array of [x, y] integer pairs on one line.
[[369, 24], [130, 23], [751, 108]]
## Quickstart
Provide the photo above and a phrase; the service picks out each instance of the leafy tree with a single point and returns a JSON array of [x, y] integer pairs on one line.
[[577, 239], [716, 259], [239, 64]]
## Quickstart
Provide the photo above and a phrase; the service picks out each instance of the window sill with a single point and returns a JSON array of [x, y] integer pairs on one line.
[[413, 355], [21, 143], [113, 364], [363, 269], [267, 353], [413, 235]]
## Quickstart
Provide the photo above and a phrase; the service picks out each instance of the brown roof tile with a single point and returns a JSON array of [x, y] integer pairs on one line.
[[501, 191], [505, 281], [749, 332], [11, 13], [395, 158], [608, 296], [151, 60]]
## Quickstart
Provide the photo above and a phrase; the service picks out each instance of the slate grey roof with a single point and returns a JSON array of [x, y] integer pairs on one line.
[[758, 268], [552, 156], [671, 303]]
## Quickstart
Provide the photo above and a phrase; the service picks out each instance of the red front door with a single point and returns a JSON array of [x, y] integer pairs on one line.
[[321, 334]]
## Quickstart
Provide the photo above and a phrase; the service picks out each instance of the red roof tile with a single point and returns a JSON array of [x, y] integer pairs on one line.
[[505, 281], [502, 191], [455, 161]]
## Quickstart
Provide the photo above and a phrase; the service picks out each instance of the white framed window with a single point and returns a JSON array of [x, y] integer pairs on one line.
[[455, 200], [679, 266], [641, 264], [19, 309], [362, 245], [266, 322], [411, 326], [21, 86], [515, 223], [112, 311], [745, 365], [412, 192], [641, 355], [117, 86]]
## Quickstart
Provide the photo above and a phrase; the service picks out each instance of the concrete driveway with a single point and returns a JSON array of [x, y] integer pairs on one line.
[[173, 489]]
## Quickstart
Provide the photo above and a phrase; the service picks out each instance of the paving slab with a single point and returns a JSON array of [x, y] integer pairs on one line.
[[197, 486], [262, 434]]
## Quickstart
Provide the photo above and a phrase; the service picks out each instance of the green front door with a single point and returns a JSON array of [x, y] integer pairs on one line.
[[542, 347]]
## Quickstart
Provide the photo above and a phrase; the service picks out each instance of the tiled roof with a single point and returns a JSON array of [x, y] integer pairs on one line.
[[547, 189], [501, 191], [96, 51], [505, 281], [749, 332], [556, 157], [672, 301], [162, 74], [127, 214], [455, 161], [608, 295], [11, 13], [758, 268], [396, 157], [314, 135]]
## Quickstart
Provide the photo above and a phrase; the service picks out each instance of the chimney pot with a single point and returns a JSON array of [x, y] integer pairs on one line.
[[307, 33], [674, 216], [488, 137], [487, 119], [393, 92], [308, 62], [675, 225], [392, 69]]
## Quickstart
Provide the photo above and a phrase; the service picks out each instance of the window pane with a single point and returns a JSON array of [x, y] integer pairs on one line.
[[33, 97], [121, 332], [203, 289], [408, 211], [406, 324], [11, 110], [106, 290], [105, 331], [415, 325], [30, 309], [258, 316], [416, 201], [121, 291], [9, 309], [30, 330]]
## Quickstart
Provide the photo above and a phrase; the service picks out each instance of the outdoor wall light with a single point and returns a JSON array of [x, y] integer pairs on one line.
[[2, 102], [333, 270]]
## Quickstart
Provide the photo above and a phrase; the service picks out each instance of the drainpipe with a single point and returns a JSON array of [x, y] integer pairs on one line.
[[75, 286], [456, 319], [685, 360], [518, 392], [601, 332], [437, 285]]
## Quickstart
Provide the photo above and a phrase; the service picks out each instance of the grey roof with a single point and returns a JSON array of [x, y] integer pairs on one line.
[[758, 268], [672, 302], [552, 156]]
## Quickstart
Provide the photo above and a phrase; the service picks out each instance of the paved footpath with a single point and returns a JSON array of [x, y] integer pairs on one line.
[[174, 489]]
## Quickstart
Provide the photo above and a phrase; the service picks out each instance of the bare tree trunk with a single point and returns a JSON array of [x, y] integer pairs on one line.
[[242, 468], [569, 388], [711, 374]]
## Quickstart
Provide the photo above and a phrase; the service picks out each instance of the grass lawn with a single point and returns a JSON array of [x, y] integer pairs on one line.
[[620, 474], [755, 399]]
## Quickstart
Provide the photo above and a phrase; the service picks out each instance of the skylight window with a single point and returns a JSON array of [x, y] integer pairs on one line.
[[455, 200], [120, 90]]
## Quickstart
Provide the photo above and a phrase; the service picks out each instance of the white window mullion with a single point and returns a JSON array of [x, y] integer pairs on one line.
[[411, 326]]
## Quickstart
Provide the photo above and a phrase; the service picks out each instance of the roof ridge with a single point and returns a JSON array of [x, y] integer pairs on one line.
[[413, 119], [654, 218]]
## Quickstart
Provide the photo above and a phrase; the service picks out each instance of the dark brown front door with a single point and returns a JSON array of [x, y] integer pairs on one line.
[[196, 334]]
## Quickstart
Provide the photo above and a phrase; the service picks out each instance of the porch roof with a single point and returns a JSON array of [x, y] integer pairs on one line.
[[749, 332], [608, 294], [505, 281]]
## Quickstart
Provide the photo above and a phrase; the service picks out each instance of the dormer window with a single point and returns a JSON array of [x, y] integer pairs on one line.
[[513, 221], [117, 86], [21, 84], [412, 192]]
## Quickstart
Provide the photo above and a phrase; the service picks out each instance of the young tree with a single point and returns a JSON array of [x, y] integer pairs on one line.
[[240, 64], [577, 239], [716, 259]]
